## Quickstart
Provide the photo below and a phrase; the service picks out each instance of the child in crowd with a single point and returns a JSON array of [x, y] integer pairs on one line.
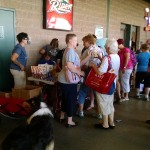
[[52, 48], [46, 59]]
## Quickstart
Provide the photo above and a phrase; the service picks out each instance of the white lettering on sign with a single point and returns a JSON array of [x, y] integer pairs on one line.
[[61, 7], [1, 32]]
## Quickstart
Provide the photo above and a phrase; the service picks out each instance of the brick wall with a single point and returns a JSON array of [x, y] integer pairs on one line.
[[128, 12], [86, 15]]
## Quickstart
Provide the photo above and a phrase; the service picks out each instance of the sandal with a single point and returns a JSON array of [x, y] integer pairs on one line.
[[100, 126], [127, 99], [90, 107]]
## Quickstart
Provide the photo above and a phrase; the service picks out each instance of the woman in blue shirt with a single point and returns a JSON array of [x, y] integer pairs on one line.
[[19, 61], [142, 73]]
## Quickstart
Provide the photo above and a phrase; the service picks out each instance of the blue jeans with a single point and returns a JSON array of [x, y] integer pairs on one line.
[[83, 92], [69, 97]]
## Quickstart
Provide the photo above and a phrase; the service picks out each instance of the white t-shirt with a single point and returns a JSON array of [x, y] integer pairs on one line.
[[115, 63], [95, 60]]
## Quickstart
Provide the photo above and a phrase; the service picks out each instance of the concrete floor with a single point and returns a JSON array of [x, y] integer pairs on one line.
[[132, 133]]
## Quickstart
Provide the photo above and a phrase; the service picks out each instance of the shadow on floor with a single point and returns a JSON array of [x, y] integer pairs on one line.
[[131, 132]]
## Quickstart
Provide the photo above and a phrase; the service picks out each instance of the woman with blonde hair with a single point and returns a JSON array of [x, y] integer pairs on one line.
[[69, 90], [105, 101], [97, 54]]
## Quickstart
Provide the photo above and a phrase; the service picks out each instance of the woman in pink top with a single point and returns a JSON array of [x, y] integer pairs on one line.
[[126, 67]]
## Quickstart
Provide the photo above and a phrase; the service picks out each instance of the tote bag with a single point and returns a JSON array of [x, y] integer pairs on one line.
[[71, 77], [103, 84]]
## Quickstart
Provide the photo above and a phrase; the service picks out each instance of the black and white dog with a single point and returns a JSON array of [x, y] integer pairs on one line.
[[36, 134]]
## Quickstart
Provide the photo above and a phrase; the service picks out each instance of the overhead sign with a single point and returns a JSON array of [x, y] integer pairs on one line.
[[99, 32], [58, 14]]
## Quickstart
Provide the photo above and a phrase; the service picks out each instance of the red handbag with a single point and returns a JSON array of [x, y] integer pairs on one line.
[[101, 83]]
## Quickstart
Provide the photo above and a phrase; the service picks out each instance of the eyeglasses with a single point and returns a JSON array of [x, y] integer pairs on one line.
[[25, 38]]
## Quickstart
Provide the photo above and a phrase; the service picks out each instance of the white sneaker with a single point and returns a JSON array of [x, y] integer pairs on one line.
[[147, 99], [81, 114], [127, 99], [99, 116], [122, 100]]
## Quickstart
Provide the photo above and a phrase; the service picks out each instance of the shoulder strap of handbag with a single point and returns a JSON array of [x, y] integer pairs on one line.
[[109, 62]]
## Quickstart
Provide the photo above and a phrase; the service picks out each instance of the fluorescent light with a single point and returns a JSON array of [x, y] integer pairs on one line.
[[147, 10]]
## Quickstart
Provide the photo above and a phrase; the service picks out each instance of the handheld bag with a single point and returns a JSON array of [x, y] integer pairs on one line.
[[71, 77], [103, 84]]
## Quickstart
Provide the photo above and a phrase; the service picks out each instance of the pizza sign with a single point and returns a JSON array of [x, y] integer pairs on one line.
[[58, 14]]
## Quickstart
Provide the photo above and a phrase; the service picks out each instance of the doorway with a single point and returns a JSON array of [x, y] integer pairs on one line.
[[131, 36], [7, 43]]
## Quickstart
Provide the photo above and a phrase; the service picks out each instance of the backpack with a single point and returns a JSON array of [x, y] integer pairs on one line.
[[133, 57]]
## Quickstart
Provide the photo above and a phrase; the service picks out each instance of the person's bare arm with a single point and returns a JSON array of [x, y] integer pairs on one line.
[[74, 69], [42, 51], [99, 57], [95, 68], [15, 61], [127, 57], [84, 61]]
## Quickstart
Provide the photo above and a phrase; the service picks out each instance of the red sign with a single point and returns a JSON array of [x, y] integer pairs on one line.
[[58, 14]]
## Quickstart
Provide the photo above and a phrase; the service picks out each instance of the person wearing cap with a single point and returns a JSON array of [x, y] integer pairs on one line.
[[19, 61], [126, 67]]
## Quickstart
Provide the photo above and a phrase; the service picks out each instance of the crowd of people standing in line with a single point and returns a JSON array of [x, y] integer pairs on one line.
[[92, 57]]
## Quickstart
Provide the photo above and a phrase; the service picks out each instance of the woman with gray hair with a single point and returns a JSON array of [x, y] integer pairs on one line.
[[105, 101]]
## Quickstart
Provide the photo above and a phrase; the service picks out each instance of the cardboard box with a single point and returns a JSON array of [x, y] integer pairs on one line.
[[5, 94], [27, 93]]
